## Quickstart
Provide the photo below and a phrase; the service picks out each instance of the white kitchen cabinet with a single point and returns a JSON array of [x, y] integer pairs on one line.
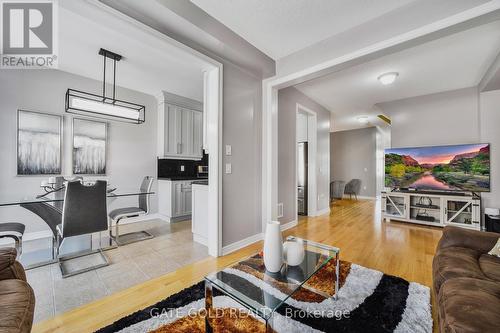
[[181, 128], [174, 199]]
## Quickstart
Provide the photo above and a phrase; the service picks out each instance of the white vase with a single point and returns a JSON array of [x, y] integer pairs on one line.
[[273, 247], [293, 252]]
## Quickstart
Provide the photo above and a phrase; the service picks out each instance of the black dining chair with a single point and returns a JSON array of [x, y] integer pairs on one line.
[[119, 214], [84, 213]]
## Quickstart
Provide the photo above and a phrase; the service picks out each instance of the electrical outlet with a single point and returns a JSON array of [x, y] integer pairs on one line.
[[228, 168], [183, 168]]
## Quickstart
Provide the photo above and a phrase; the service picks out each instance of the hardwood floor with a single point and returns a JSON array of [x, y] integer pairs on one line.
[[400, 249]]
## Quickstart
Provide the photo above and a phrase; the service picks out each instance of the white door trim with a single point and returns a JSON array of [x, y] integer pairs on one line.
[[453, 24], [312, 156]]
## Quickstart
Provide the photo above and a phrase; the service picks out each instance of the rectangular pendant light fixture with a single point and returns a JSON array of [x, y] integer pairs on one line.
[[87, 104], [101, 106]]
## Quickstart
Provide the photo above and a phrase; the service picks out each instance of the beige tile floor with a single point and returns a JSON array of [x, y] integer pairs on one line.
[[171, 248]]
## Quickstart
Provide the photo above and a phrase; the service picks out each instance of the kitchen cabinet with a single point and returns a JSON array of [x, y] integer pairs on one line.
[[199, 225], [180, 128], [175, 199]]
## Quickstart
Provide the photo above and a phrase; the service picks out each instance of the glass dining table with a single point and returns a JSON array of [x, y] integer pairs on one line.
[[13, 200], [48, 207]]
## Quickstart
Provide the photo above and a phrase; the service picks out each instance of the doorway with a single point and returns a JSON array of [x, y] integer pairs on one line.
[[305, 161]]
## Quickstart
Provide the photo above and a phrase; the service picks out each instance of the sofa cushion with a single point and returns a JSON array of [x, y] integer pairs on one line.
[[469, 305], [453, 262], [490, 265], [17, 304]]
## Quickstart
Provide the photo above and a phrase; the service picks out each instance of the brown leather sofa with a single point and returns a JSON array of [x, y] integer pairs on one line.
[[467, 281], [17, 300]]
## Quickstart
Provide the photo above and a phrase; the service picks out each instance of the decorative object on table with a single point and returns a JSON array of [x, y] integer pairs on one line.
[[103, 106], [364, 295], [89, 147], [38, 143], [293, 252], [495, 251], [273, 247]]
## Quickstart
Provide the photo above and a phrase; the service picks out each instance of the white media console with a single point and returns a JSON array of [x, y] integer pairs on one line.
[[432, 209]]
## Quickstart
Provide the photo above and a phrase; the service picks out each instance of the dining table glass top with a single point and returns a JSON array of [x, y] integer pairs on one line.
[[7, 199]]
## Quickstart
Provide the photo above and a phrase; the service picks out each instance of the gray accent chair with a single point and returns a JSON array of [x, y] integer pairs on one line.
[[337, 188], [15, 231], [119, 214], [353, 187], [84, 213]]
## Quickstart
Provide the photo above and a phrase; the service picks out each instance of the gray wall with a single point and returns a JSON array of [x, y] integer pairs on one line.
[[241, 190], [353, 155], [131, 150], [454, 117], [287, 148]]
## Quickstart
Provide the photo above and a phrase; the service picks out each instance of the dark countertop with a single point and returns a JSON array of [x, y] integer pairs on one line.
[[200, 182], [182, 178]]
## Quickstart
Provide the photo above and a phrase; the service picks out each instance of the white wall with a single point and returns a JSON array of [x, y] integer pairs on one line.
[[454, 117], [287, 149], [131, 152], [438, 119], [353, 156]]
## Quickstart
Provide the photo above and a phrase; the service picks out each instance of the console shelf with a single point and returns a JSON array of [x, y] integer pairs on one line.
[[437, 209]]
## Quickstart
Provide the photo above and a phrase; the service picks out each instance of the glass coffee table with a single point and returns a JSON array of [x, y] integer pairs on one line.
[[263, 293]]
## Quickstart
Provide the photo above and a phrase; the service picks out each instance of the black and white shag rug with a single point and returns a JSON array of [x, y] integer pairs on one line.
[[368, 301]]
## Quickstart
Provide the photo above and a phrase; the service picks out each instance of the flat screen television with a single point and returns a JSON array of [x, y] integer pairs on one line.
[[463, 168]]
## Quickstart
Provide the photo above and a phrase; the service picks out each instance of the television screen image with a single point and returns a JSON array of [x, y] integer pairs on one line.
[[440, 168]]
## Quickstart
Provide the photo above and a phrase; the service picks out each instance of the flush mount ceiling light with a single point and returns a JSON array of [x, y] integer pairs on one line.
[[102, 106], [363, 119], [388, 78]]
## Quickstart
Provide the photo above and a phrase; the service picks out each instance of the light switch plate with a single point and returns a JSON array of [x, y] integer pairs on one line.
[[228, 150], [228, 168]]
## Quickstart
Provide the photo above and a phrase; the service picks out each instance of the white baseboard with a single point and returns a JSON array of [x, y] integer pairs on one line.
[[241, 244], [360, 197], [289, 225], [322, 211], [253, 239], [200, 239]]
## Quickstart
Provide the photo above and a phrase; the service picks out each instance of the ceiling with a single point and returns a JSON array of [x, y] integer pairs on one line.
[[149, 64], [453, 62], [281, 27]]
